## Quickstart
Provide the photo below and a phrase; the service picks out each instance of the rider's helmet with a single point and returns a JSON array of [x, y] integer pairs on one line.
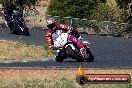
[[9, 2], [51, 23]]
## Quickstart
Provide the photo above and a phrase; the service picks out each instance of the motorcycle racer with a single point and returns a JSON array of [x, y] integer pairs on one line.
[[52, 26]]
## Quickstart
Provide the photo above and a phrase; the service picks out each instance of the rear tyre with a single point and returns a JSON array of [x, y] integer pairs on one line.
[[26, 32], [74, 54], [91, 56]]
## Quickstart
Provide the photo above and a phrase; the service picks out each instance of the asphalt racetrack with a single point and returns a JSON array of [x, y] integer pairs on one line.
[[109, 52]]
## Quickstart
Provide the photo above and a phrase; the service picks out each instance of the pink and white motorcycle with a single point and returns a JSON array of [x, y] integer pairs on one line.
[[70, 46]]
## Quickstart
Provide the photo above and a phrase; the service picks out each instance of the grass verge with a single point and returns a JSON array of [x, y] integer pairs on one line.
[[61, 83], [10, 78], [17, 51]]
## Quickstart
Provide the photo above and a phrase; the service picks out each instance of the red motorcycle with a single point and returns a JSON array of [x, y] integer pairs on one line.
[[69, 46]]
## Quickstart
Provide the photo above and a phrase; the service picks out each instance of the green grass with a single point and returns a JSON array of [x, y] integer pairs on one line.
[[62, 83], [46, 48]]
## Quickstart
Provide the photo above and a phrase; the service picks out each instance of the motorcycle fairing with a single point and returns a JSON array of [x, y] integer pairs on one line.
[[59, 38], [79, 44]]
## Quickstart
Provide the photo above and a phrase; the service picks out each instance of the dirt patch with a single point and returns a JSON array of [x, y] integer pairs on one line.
[[17, 51]]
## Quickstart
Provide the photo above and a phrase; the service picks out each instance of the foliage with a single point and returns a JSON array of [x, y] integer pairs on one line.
[[90, 9], [123, 4], [105, 12], [104, 1], [23, 3], [1, 1], [49, 50], [74, 8]]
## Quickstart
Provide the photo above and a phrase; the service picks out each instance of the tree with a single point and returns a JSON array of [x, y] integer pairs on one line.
[[74, 8], [21, 4], [1, 1], [123, 4], [104, 12], [104, 1]]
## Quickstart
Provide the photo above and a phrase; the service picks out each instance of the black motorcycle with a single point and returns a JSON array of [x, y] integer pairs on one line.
[[17, 24]]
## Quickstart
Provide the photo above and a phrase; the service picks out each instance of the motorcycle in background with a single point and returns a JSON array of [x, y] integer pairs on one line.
[[18, 24]]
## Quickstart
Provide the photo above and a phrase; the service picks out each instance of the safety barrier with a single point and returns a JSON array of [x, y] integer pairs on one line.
[[102, 28]]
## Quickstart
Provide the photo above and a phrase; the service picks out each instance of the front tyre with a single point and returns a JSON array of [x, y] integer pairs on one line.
[[74, 54], [60, 57]]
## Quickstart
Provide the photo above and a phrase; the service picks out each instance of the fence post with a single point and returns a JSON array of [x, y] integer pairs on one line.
[[33, 20]]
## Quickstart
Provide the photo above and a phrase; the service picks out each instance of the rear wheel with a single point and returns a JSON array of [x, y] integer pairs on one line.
[[74, 54], [26, 32], [91, 56]]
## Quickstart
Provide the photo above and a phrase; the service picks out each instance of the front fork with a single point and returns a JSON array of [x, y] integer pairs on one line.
[[62, 52]]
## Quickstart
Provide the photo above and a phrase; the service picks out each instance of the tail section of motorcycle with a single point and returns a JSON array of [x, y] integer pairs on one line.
[[88, 53]]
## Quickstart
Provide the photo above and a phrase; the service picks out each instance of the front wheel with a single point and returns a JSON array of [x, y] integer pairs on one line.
[[60, 57], [74, 54]]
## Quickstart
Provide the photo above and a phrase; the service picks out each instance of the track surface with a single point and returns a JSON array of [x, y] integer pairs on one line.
[[110, 52]]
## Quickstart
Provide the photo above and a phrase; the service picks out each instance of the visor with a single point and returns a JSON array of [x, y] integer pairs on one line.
[[51, 26]]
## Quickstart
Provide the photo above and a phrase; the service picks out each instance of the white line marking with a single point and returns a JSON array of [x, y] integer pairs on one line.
[[19, 38], [51, 58], [24, 61], [109, 36], [7, 62], [46, 59]]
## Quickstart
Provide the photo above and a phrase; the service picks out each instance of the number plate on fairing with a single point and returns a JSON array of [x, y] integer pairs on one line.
[[61, 40]]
